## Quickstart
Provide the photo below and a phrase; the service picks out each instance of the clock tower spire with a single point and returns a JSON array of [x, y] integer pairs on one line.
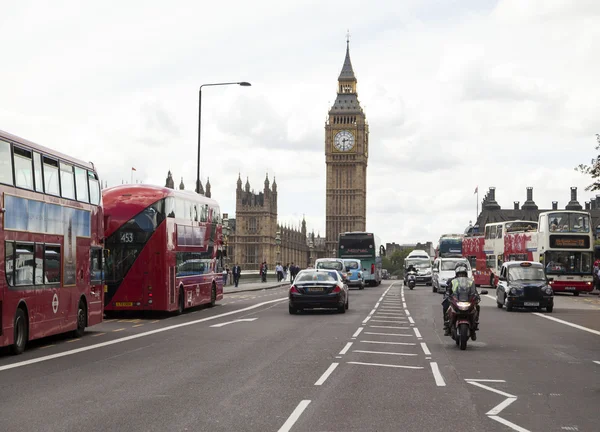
[[346, 157]]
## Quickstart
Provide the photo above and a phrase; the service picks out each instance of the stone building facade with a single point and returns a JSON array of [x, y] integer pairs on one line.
[[346, 157], [254, 234], [492, 212], [170, 183]]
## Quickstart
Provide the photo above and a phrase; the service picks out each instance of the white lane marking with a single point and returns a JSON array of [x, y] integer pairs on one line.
[[570, 324], [490, 297], [390, 321], [388, 334], [346, 348], [386, 365], [372, 311], [389, 312], [294, 416], [425, 349], [417, 333], [234, 321], [382, 352], [388, 343], [134, 336], [595, 361], [357, 332], [508, 395], [390, 327], [407, 312], [404, 305], [509, 424], [366, 320], [498, 408], [326, 374], [390, 308], [484, 380], [412, 321], [439, 379]]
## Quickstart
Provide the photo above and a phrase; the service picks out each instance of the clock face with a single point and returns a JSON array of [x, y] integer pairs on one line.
[[344, 141]]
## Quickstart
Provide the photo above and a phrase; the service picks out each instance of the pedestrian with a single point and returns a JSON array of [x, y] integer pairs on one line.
[[237, 272], [224, 277]]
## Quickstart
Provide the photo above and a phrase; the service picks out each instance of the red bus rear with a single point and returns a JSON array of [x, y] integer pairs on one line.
[[472, 249], [164, 249], [51, 230]]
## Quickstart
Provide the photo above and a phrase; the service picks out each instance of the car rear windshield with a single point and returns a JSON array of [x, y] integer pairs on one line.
[[451, 264], [330, 265], [352, 265], [315, 276], [526, 273]]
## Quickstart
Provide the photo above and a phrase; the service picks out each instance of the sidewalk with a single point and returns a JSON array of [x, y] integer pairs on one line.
[[254, 286]]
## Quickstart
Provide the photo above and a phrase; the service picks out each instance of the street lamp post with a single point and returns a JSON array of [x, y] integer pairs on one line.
[[278, 243], [240, 83], [311, 247]]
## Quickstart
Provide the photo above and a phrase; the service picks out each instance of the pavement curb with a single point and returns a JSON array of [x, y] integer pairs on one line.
[[256, 289]]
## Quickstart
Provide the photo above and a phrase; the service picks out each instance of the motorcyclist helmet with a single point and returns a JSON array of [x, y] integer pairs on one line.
[[461, 270]]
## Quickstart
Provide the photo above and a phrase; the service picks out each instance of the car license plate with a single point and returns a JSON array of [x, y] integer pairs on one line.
[[124, 304], [570, 288], [315, 290], [531, 303]]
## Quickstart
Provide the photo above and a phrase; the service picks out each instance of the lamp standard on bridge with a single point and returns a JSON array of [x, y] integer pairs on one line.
[[240, 83], [311, 247], [226, 231], [278, 244]]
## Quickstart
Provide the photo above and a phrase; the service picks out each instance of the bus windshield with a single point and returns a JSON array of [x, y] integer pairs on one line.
[[561, 262], [450, 246], [569, 222], [357, 245]]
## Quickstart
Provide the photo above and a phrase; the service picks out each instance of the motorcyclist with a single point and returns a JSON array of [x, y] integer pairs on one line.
[[461, 277], [409, 269]]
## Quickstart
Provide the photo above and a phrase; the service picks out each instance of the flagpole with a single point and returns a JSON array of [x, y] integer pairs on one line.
[[477, 214]]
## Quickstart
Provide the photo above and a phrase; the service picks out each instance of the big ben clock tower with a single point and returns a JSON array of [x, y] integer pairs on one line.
[[346, 156]]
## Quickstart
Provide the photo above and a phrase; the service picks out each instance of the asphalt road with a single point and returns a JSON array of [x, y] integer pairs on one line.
[[382, 366]]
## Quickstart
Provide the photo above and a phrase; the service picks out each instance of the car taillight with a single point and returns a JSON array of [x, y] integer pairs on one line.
[[293, 290], [337, 289], [372, 268]]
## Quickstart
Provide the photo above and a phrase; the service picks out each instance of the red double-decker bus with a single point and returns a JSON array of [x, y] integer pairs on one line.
[[473, 250], [165, 249], [51, 231]]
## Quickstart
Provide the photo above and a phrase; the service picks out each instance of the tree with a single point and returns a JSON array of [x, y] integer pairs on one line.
[[593, 169], [394, 263]]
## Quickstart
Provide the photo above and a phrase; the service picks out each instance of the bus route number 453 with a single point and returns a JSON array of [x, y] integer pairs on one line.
[[127, 238]]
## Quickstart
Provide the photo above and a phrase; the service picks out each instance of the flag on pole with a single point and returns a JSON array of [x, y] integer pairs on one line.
[[133, 169], [476, 189]]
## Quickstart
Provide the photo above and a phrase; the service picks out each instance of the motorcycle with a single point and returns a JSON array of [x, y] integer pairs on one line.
[[461, 315], [411, 279]]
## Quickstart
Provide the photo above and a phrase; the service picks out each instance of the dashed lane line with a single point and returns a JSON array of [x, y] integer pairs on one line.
[[326, 374], [118, 330], [417, 333], [388, 327], [425, 349], [383, 352], [98, 334], [388, 343], [346, 348], [437, 375], [388, 334], [134, 336], [357, 332], [385, 365], [570, 324], [294, 416]]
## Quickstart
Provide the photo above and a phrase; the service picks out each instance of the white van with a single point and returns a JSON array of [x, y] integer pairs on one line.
[[332, 264], [443, 269]]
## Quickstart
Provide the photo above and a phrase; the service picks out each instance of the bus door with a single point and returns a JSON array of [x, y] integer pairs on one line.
[[96, 297]]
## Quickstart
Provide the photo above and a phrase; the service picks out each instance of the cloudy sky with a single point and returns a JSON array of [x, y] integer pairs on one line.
[[458, 94]]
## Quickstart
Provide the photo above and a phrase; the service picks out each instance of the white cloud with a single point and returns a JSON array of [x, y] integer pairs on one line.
[[459, 94]]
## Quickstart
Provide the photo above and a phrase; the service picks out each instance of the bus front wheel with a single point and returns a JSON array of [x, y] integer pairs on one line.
[[21, 332], [81, 320]]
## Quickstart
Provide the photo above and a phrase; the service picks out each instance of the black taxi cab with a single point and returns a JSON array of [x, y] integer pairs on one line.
[[523, 284]]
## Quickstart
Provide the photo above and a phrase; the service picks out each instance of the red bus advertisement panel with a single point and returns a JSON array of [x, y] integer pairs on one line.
[[164, 249], [473, 250]]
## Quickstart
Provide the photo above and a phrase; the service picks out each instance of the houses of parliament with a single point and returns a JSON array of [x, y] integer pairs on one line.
[[257, 236]]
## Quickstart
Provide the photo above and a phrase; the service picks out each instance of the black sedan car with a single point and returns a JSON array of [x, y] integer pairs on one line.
[[318, 288], [523, 284]]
